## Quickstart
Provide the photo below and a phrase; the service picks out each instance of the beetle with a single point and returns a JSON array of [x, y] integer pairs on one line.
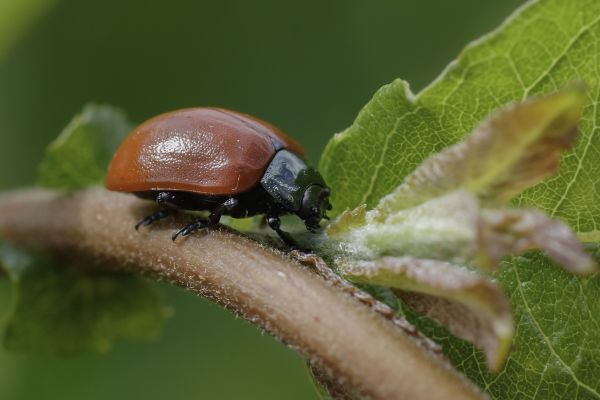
[[222, 161]]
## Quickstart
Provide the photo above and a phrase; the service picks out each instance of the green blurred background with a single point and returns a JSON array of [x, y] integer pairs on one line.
[[306, 66]]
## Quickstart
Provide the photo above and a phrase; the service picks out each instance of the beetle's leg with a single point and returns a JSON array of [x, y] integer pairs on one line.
[[164, 213], [213, 219], [228, 205], [163, 199], [190, 228], [275, 224]]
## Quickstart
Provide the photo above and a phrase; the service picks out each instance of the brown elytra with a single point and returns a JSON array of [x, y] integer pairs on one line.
[[209, 151]]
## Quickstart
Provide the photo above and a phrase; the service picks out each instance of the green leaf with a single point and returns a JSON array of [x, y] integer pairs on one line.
[[544, 46], [547, 45], [515, 231], [555, 353], [454, 227], [515, 148], [68, 309], [369, 159], [65, 310], [443, 228], [80, 155], [241, 224]]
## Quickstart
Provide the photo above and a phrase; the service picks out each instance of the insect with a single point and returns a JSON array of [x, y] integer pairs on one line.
[[221, 161]]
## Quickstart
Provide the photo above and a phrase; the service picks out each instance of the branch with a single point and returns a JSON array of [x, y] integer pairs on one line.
[[329, 327]]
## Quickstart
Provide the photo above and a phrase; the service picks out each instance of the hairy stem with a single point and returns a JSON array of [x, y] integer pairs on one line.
[[354, 344]]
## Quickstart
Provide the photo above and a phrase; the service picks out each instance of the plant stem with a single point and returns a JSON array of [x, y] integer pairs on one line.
[[354, 344]]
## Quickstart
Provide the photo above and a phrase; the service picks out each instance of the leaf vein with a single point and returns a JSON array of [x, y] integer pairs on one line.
[[579, 168], [543, 335], [379, 165], [561, 56]]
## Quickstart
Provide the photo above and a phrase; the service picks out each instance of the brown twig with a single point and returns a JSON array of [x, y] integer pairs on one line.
[[354, 344]]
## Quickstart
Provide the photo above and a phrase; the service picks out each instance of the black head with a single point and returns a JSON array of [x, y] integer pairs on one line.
[[315, 203], [297, 188]]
